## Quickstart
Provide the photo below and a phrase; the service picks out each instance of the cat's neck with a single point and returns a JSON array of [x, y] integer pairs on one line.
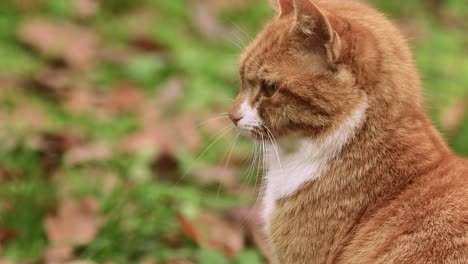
[[294, 161], [355, 148]]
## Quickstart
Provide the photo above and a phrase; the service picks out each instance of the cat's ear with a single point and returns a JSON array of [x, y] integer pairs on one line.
[[283, 7], [310, 20]]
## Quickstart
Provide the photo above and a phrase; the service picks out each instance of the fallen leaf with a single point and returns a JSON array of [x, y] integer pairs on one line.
[[7, 234], [208, 174], [2, 261], [179, 261], [75, 223], [125, 97], [187, 135], [57, 254], [7, 176], [452, 116], [83, 99], [76, 45], [228, 4], [27, 5], [88, 153], [205, 21], [85, 8], [153, 138], [149, 261], [214, 231], [170, 92], [53, 145], [81, 262], [251, 219], [146, 44], [54, 82], [165, 166]]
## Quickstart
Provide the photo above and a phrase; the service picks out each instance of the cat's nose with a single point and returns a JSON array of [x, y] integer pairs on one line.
[[235, 117]]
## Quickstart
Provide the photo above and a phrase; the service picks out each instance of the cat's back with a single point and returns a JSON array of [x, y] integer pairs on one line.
[[426, 223]]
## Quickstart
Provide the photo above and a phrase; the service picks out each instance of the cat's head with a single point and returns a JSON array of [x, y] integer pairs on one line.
[[298, 75]]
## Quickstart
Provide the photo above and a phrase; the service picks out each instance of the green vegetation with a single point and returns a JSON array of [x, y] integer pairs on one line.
[[116, 139]]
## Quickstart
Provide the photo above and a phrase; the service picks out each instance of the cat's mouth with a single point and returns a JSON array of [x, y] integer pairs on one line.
[[257, 133]]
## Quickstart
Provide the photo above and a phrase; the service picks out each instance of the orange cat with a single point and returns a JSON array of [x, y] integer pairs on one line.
[[358, 174]]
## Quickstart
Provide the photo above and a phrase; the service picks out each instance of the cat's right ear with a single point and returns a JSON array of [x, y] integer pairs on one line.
[[283, 7]]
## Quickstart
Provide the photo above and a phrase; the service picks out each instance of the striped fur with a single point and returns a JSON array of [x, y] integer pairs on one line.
[[379, 186]]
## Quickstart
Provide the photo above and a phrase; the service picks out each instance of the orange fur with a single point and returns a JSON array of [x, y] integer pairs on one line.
[[395, 193]]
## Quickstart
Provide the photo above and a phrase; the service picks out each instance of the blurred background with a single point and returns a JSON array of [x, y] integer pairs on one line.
[[113, 143]]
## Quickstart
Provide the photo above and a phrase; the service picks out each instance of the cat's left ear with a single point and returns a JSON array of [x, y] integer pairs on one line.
[[312, 21]]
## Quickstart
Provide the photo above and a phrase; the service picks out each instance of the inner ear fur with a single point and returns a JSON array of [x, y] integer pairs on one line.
[[311, 21]]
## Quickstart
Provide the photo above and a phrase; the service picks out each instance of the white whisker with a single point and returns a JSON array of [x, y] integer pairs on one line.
[[217, 117], [223, 133], [261, 167], [227, 161]]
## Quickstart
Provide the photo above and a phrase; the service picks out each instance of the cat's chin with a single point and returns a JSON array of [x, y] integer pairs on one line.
[[258, 134]]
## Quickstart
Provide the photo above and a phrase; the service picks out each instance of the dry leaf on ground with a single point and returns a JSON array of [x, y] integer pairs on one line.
[[212, 230], [205, 20], [53, 145], [147, 44], [88, 153], [75, 223], [86, 8], [170, 92], [7, 234], [54, 82], [125, 97], [216, 174], [7, 175], [75, 45], [251, 219], [453, 115], [165, 166], [179, 261], [153, 138]]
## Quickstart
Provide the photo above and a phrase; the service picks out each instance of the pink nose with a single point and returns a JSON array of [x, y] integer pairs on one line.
[[234, 117]]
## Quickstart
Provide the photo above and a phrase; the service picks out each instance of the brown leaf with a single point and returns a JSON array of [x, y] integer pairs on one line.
[[125, 97], [88, 153], [171, 92], [179, 261], [27, 5], [57, 254], [166, 166], [146, 44], [86, 8], [77, 46], [7, 234], [187, 134], [205, 21], [149, 261], [7, 176], [153, 138], [251, 219], [216, 174], [227, 4], [53, 145], [4, 261], [54, 82], [453, 115], [212, 230], [76, 222]]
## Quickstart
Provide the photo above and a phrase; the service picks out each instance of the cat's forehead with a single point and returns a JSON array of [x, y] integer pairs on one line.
[[269, 44]]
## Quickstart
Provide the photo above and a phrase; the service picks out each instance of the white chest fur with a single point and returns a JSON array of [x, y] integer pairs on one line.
[[288, 170]]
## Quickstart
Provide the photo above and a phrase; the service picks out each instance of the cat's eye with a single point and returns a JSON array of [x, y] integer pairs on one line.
[[268, 88]]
